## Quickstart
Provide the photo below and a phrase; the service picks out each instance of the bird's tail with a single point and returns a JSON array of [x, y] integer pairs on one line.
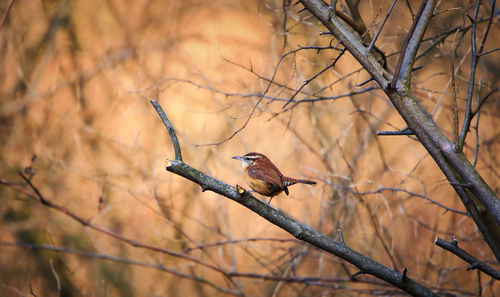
[[288, 181]]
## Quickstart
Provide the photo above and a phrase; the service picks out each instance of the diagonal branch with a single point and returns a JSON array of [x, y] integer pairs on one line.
[[395, 77], [297, 229], [381, 26], [473, 261], [477, 196], [402, 74]]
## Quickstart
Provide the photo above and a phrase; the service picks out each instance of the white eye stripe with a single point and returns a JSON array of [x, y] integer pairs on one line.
[[252, 157]]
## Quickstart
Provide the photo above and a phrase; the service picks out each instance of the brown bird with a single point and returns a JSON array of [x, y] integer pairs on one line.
[[264, 177]]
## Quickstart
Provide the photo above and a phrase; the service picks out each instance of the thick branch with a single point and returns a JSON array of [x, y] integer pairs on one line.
[[479, 199], [299, 230]]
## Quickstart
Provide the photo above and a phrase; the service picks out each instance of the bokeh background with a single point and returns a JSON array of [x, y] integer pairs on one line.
[[76, 81]]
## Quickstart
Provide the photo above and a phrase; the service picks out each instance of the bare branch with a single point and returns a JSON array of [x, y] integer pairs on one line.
[[474, 62], [314, 77], [475, 263], [453, 163], [39, 197], [297, 229], [454, 108], [380, 28], [170, 129], [412, 194], [127, 261], [405, 131], [402, 74], [488, 52]]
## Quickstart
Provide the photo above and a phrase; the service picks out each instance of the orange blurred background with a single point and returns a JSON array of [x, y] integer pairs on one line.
[[76, 83]]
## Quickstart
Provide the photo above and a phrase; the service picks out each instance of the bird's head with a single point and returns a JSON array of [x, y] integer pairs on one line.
[[250, 159]]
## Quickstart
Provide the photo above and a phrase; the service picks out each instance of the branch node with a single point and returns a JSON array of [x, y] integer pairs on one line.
[[365, 82], [473, 266], [168, 163], [341, 238], [352, 277], [468, 185], [240, 190], [405, 131], [403, 276]]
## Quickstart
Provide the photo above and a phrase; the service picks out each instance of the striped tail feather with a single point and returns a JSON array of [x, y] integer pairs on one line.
[[288, 181]]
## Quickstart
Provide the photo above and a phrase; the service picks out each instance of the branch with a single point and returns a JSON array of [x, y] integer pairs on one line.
[[170, 129], [349, 39], [412, 194], [479, 199], [381, 26], [87, 223], [127, 261], [475, 55], [309, 280], [405, 131], [297, 229], [402, 74], [474, 262], [313, 78]]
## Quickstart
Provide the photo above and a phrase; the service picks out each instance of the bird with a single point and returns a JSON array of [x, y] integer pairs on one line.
[[264, 177]]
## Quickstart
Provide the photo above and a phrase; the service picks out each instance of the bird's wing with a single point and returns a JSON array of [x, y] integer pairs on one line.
[[269, 176]]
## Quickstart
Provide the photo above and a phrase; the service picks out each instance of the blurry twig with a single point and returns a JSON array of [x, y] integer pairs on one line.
[[475, 55], [410, 45], [341, 53], [380, 28], [309, 280], [405, 131], [219, 243], [412, 194], [106, 257], [85, 222], [6, 13]]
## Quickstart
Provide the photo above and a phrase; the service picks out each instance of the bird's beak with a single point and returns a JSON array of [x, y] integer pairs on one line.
[[238, 158]]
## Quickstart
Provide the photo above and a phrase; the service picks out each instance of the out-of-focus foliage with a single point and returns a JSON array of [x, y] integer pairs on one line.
[[75, 84]]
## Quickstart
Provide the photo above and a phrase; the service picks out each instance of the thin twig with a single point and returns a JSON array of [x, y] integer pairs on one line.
[[476, 128], [474, 62], [127, 261], [412, 194], [6, 13], [270, 83], [488, 52], [170, 129], [380, 28], [454, 108], [58, 281], [483, 100], [38, 196], [313, 78], [475, 263]]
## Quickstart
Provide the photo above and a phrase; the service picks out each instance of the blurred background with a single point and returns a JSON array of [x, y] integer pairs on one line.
[[75, 117]]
